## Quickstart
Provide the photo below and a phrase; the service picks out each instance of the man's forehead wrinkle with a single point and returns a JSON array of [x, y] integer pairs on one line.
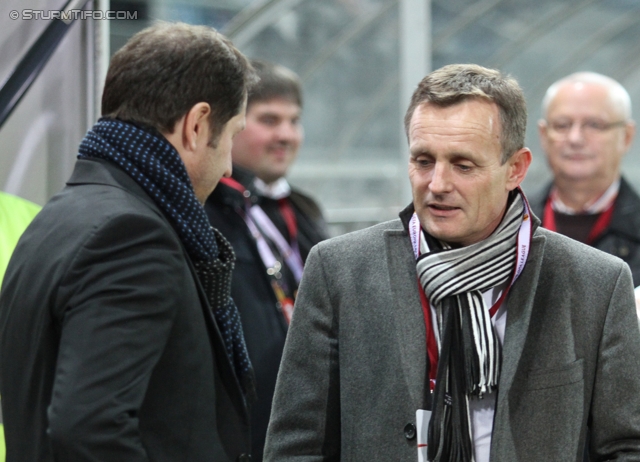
[[437, 125], [453, 134]]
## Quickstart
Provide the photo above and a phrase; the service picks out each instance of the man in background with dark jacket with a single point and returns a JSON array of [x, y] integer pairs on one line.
[[586, 131], [270, 225]]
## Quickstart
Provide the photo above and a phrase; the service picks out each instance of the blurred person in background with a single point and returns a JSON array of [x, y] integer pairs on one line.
[[118, 338], [271, 226], [586, 131]]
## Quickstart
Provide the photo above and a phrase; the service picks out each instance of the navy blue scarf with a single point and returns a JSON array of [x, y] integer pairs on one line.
[[156, 166]]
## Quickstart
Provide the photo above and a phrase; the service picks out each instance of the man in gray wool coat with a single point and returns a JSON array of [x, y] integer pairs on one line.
[[462, 331]]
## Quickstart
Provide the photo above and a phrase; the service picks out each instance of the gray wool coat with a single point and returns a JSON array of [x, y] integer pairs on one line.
[[353, 370]]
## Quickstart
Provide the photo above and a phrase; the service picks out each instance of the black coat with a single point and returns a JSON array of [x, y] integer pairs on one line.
[[622, 237], [264, 326], [108, 347]]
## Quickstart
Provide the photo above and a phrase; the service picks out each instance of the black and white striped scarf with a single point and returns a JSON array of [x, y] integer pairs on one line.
[[147, 156], [469, 362]]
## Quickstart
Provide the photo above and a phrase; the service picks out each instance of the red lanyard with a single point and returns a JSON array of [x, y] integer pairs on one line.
[[432, 344], [284, 205], [233, 184], [289, 218], [601, 224]]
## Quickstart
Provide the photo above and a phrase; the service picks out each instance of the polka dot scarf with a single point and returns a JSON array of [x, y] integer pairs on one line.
[[156, 166]]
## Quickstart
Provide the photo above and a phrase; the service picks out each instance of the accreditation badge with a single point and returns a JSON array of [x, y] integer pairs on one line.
[[422, 426]]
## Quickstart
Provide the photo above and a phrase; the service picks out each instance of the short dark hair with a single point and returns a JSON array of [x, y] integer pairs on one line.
[[165, 69], [455, 83], [275, 82]]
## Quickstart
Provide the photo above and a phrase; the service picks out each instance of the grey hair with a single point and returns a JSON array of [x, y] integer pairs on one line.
[[455, 83], [618, 94]]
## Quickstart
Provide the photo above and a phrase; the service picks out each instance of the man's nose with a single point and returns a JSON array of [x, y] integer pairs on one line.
[[440, 179], [288, 131], [576, 133]]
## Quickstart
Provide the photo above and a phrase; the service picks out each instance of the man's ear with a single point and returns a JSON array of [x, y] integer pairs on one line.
[[518, 165], [195, 126], [629, 133], [543, 133], [190, 128]]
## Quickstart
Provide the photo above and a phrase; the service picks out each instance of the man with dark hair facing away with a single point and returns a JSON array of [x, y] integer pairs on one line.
[[118, 338], [462, 331], [270, 225]]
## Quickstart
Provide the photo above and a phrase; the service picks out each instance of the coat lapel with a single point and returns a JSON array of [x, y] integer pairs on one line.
[[519, 308], [408, 318], [519, 311]]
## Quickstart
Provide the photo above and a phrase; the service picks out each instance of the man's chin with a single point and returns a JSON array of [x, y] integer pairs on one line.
[[577, 172], [441, 234]]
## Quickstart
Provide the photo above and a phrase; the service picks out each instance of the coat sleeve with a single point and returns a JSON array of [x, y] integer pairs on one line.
[[615, 406], [117, 304], [305, 418]]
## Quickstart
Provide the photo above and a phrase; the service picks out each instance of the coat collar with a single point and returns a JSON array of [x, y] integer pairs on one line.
[[626, 214], [99, 171]]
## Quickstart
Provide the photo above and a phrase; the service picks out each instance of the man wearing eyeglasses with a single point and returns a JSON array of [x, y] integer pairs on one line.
[[586, 130]]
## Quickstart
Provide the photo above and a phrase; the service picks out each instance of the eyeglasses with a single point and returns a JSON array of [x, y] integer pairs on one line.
[[588, 127]]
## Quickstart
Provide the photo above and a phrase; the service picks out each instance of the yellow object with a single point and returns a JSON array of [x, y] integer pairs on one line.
[[3, 451], [15, 215]]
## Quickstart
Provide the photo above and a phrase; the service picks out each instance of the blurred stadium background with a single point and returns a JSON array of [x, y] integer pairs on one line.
[[359, 61]]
